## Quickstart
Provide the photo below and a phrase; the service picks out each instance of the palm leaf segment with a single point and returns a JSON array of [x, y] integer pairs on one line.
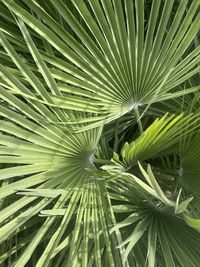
[[85, 64]]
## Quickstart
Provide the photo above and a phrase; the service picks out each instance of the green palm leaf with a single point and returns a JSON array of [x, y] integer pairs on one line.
[[119, 78], [99, 133]]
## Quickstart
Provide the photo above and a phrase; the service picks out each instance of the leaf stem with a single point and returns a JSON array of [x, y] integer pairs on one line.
[[138, 119]]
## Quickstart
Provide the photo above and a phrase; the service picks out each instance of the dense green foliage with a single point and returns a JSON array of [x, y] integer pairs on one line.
[[99, 133]]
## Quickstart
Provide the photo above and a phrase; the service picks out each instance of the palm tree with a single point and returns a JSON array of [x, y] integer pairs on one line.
[[99, 133]]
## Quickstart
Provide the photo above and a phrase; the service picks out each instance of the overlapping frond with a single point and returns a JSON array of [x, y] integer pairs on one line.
[[113, 60], [37, 154], [164, 133]]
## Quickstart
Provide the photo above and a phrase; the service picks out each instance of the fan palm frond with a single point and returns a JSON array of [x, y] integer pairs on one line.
[[115, 67]]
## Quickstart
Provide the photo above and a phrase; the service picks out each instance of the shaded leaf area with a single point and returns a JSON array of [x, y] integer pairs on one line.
[[99, 133], [152, 233]]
